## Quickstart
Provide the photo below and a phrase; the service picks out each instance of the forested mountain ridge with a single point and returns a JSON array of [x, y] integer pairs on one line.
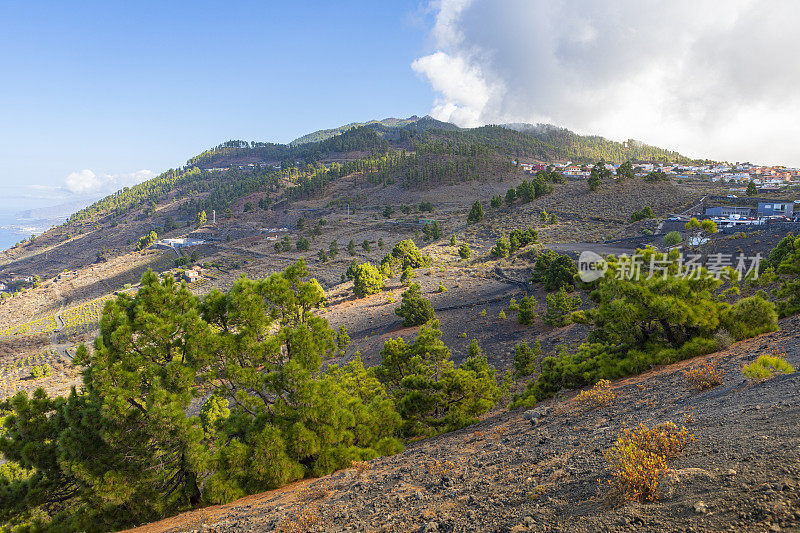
[[414, 152], [236, 176], [541, 141], [322, 135]]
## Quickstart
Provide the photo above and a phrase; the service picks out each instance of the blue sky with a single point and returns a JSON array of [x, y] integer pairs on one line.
[[96, 95], [117, 87]]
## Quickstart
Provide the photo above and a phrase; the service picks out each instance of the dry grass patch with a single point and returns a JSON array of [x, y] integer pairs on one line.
[[361, 467], [314, 491], [639, 458], [601, 395], [311, 518], [704, 376]]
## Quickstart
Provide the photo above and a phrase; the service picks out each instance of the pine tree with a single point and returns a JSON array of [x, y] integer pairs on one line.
[[432, 395], [625, 171], [289, 419], [526, 358], [593, 181], [560, 305], [342, 340], [554, 271], [502, 248], [367, 280], [146, 456], [527, 311], [407, 275], [511, 195], [476, 213], [415, 309], [408, 255]]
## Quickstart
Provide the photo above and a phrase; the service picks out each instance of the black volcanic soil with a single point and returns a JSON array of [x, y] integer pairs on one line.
[[544, 470]]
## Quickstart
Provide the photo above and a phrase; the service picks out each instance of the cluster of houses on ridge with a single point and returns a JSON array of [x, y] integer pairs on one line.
[[765, 177], [728, 212]]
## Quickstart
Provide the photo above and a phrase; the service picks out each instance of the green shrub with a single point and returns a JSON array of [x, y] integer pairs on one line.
[[645, 213], [502, 248], [750, 317], [672, 238], [147, 240], [464, 251], [517, 239], [768, 365]]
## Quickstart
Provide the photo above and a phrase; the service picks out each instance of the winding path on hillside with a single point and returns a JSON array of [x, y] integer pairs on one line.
[[59, 348]]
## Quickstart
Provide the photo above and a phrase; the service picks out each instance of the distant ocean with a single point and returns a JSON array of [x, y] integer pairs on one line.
[[13, 229], [21, 217]]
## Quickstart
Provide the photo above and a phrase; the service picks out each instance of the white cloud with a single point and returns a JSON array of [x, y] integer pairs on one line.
[[464, 89], [87, 182], [83, 181], [710, 78]]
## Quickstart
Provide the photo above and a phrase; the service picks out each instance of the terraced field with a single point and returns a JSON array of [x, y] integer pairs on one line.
[[16, 373], [87, 314], [42, 325]]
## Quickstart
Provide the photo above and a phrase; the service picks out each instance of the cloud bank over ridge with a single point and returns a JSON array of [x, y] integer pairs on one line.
[[708, 78]]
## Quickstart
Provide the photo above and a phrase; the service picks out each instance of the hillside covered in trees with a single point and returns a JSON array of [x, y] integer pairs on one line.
[[415, 152]]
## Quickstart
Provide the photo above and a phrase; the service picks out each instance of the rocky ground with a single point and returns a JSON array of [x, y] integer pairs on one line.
[[544, 469]]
